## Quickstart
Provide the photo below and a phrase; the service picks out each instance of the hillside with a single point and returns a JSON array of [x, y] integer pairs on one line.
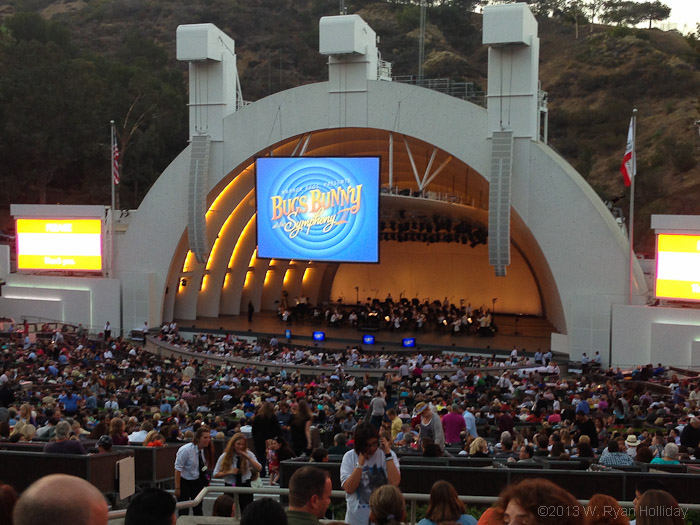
[[593, 81]]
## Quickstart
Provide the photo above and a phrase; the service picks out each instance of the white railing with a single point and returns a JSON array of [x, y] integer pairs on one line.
[[412, 500]]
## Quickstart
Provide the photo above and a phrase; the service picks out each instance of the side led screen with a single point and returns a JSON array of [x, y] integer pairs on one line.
[[368, 339], [678, 267], [59, 244], [319, 336], [318, 208]]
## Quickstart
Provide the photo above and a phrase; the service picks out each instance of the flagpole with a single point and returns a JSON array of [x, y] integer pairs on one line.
[[631, 223], [111, 220]]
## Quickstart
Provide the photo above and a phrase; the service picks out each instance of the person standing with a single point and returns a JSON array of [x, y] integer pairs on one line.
[[300, 428], [453, 424], [368, 466], [377, 407], [108, 331], [251, 311], [237, 465], [191, 471], [265, 426], [430, 425]]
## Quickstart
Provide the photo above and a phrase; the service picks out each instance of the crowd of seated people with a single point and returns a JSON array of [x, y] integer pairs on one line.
[[89, 389]]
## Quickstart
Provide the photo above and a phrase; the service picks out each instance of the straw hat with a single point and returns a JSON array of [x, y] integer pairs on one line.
[[631, 441], [419, 408]]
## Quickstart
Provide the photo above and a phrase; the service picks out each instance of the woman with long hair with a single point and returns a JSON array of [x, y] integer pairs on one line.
[[387, 506], [300, 427], [265, 426], [445, 506], [658, 507], [282, 449], [237, 465], [99, 430], [479, 448], [117, 433]]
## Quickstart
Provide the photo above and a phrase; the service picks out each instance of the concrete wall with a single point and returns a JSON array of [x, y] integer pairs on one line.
[[645, 334], [90, 301]]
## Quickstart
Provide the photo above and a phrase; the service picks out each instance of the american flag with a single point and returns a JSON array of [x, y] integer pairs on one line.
[[115, 160]]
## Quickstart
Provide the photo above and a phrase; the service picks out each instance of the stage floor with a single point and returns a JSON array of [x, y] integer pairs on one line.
[[266, 325]]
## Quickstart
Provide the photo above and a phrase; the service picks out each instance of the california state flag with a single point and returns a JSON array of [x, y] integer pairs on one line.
[[629, 162]]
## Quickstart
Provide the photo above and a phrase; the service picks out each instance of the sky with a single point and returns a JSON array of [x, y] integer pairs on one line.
[[684, 13]]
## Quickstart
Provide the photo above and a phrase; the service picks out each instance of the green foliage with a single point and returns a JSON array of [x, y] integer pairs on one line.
[[408, 17], [55, 107]]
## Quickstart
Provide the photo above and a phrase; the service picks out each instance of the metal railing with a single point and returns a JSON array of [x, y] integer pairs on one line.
[[412, 500], [462, 90]]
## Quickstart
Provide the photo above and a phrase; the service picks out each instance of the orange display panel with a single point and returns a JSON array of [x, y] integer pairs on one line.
[[59, 244], [678, 267]]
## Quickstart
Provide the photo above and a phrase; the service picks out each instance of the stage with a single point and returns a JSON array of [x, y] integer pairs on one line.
[[524, 332]]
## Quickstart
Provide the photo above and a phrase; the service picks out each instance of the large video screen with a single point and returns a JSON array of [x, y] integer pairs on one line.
[[318, 208], [59, 244], [678, 267]]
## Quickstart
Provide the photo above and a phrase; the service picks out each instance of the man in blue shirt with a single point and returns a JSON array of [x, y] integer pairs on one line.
[[470, 420]]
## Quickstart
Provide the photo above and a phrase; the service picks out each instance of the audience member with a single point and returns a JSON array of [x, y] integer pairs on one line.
[[44, 502], [658, 507], [387, 506], [224, 506], [191, 470], [63, 444], [8, 498], [309, 496], [605, 510], [151, 506], [237, 466], [364, 469], [445, 506], [522, 503], [263, 511]]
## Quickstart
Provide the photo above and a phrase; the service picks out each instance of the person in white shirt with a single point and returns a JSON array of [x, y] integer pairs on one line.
[[369, 465], [191, 470], [140, 435], [237, 465]]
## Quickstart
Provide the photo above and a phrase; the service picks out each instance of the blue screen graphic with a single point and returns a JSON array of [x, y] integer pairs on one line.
[[408, 342], [288, 334], [319, 336], [318, 208], [368, 339]]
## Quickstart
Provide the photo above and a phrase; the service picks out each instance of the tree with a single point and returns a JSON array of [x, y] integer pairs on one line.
[[654, 11], [593, 8], [622, 12]]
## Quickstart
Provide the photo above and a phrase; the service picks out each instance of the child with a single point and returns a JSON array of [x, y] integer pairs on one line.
[[273, 462]]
